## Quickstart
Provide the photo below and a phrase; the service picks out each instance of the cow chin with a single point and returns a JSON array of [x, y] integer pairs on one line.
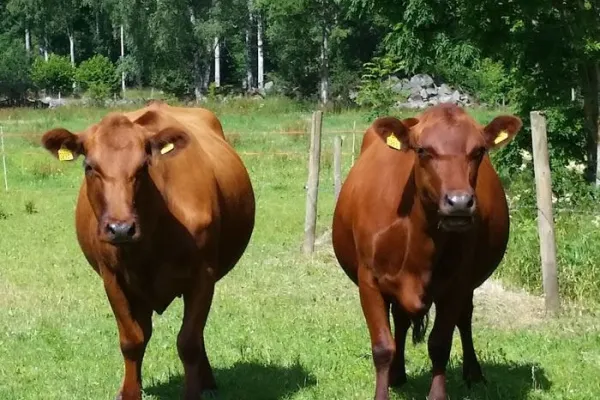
[[455, 223]]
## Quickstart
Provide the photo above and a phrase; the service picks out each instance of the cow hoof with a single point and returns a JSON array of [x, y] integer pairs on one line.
[[397, 379], [210, 393], [121, 396], [473, 375]]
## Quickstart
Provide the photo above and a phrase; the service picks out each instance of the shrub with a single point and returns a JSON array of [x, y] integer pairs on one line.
[[98, 76], [55, 75], [485, 79], [173, 82], [131, 67], [14, 69], [375, 91]]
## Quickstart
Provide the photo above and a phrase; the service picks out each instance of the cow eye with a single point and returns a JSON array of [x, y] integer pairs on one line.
[[478, 153], [421, 152], [87, 167]]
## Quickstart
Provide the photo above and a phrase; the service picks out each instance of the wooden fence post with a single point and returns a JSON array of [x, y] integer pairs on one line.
[[337, 165], [312, 192], [543, 184], [353, 142], [3, 158]]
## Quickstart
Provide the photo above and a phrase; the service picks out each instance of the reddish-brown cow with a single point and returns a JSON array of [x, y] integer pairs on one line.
[[422, 218], [166, 209]]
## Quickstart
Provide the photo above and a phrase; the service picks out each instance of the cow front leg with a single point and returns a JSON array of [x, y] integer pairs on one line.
[[134, 321], [376, 312], [190, 341], [471, 367], [440, 343], [398, 367]]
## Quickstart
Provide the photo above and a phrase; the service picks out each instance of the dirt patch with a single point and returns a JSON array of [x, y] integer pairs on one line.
[[504, 308]]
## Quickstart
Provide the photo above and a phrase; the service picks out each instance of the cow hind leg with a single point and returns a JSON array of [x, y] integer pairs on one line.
[[401, 325], [471, 367], [190, 341]]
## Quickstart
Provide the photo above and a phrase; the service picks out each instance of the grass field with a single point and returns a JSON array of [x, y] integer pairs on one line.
[[282, 326]]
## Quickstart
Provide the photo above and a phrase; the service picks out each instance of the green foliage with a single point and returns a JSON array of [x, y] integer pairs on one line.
[[98, 76], [131, 68], [487, 80], [55, 75], [14, 69], [376, 87], [174, 82]]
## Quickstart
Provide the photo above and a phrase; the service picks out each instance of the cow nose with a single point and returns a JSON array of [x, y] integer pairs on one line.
[[459, 202], [121, 231]]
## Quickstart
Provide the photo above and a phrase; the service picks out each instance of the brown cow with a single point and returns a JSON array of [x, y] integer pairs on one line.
[[422, 218], [166, 209]]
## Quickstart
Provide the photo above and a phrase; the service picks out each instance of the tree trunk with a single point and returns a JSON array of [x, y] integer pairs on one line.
[[206, 78], [122, 57], [72, 46], [217, 62], [325, 66], [597, 112], [590, 89], [45, 47], [259, 42], [249, 83], [27, 40]]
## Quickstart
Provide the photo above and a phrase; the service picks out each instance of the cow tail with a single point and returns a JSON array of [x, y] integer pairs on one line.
[[420, 328]]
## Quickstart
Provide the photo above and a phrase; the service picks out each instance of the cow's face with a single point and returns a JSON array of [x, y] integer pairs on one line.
[[117, 155], [449, 149]]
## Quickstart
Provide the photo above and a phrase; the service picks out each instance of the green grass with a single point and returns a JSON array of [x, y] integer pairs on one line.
[[282, 326]]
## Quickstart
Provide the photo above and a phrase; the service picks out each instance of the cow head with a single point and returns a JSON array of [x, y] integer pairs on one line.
[[117, 155], [449, 147]]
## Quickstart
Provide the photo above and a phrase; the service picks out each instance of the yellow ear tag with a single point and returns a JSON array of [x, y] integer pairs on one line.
[[501, 137], [65, 154], [393, 142], [167, 148]]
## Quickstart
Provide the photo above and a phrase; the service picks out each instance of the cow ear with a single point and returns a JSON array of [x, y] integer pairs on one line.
[[167, 142], [394, 132], [63, 144], [501, 131]]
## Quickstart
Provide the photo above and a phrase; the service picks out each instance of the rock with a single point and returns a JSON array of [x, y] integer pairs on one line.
[[447, 98], [444, 89], [424, 94], [394, 79], [53, 103], [406, 85], [456, 96], [422, 80], [433, 102], [415, 91], [269, 86], [432, 91], [417, 104], [415, 97], [397, 87]]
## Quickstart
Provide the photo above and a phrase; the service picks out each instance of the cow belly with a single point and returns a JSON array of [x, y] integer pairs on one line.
[[158, 288]]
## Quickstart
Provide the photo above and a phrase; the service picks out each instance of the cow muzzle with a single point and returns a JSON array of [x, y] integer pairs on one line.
[[121, 232], [457, 211]]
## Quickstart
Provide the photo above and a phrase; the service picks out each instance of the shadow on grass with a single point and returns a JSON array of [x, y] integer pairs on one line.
[[504, 381], [244, 380]]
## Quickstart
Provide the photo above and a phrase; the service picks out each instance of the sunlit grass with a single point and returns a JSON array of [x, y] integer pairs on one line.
[[282, 326]]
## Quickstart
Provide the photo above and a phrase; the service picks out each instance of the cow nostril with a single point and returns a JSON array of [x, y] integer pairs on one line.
[[470, 202], [111, 228], [131, 230], [121, 230], [449, 200]]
